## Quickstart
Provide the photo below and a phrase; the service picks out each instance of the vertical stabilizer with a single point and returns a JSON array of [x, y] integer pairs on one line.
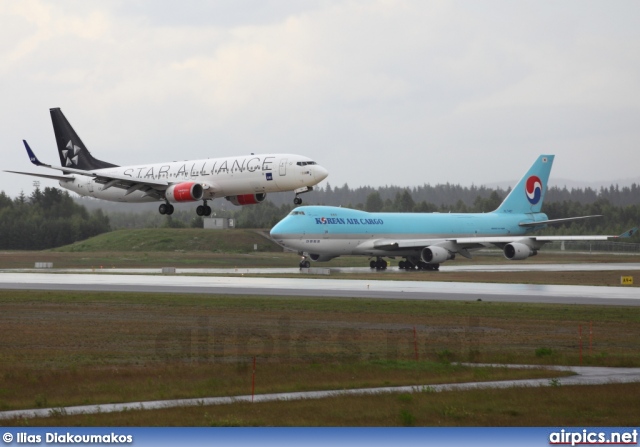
[[528, 194], [72, 151]]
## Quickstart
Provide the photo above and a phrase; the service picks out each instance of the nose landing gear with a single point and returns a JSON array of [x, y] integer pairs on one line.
[[297, 200]]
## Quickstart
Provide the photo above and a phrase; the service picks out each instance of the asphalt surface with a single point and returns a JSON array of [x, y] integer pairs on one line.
[[505, 267], [325, 287]]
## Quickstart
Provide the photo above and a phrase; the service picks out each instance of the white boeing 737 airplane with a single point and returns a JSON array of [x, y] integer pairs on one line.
[[425, 240], [243, 180]]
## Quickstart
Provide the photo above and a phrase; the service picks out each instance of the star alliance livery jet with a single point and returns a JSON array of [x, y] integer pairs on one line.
[[243, 180], [425, 240]]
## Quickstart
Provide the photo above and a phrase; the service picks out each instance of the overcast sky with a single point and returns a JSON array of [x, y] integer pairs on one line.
[[385, 92]]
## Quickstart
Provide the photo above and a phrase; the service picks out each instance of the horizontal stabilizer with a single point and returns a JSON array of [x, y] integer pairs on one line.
[[110, 179], [557, 221], [49, 176]]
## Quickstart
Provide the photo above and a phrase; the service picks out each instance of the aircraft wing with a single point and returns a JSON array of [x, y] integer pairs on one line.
[[151, 187], [508, 239], [462, 245]]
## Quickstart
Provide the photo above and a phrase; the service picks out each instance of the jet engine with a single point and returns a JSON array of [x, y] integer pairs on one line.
[[435, 255], [184, 192], [247, 199], [321, 258], [516, 251]]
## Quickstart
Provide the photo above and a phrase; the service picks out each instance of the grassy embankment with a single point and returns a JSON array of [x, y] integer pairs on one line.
[[62, 348]]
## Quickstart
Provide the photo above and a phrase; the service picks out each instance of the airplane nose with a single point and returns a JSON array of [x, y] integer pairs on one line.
[[320, 173], [276, 230]]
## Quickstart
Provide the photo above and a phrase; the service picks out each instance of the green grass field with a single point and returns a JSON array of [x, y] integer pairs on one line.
[[62, 348], [578, 406]]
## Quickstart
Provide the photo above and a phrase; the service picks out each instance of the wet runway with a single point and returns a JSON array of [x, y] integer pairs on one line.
[[325, 287], [452, 267]]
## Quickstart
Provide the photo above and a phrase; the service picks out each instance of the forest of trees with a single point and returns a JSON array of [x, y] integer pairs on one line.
[[47, 218], [52, 218], [615, 218], [620, 206]]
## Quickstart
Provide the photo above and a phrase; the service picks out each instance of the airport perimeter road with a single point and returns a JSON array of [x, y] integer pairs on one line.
[[235, 285]]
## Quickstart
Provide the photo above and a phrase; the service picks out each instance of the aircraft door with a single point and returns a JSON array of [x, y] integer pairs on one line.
[[283, 167]]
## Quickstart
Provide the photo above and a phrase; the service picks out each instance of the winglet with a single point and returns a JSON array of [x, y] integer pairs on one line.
[[32, 156], [629, 233]]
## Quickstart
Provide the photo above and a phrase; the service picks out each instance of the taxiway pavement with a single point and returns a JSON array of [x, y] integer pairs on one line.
[[325, 287]]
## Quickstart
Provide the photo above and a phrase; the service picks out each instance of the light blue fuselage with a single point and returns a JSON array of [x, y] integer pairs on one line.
[[340, 231], [325, 232]]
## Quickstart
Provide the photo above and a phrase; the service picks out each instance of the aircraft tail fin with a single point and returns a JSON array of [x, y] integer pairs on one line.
[[629, 233], [72, 151], [527, 196]]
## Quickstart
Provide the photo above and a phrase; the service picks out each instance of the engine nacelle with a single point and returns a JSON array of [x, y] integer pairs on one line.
[[516, 251], [435, 255], [184, 192], [321, 258], [247, 199]]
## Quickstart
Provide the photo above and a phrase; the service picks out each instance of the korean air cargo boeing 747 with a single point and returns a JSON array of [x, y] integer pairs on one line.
[[242, 180], [425, 240]]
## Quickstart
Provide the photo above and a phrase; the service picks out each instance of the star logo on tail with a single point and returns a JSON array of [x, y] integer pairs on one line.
[[70, 154]]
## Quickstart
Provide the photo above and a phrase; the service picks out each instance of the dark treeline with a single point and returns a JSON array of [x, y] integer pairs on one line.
[[446, 195], [614, 220], [618, 205], [52, 218], [47, 218]]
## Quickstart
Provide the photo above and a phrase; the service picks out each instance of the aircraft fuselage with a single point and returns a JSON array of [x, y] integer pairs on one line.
[[342, 231], [220, 176]]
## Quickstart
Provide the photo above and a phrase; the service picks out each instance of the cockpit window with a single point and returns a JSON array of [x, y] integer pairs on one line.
[[305, 163], [297, 213]]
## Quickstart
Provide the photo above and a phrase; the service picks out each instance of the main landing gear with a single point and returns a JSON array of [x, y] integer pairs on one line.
[[304, 263], [204, 210], [409, 264], [378, 264], [166, 208]]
